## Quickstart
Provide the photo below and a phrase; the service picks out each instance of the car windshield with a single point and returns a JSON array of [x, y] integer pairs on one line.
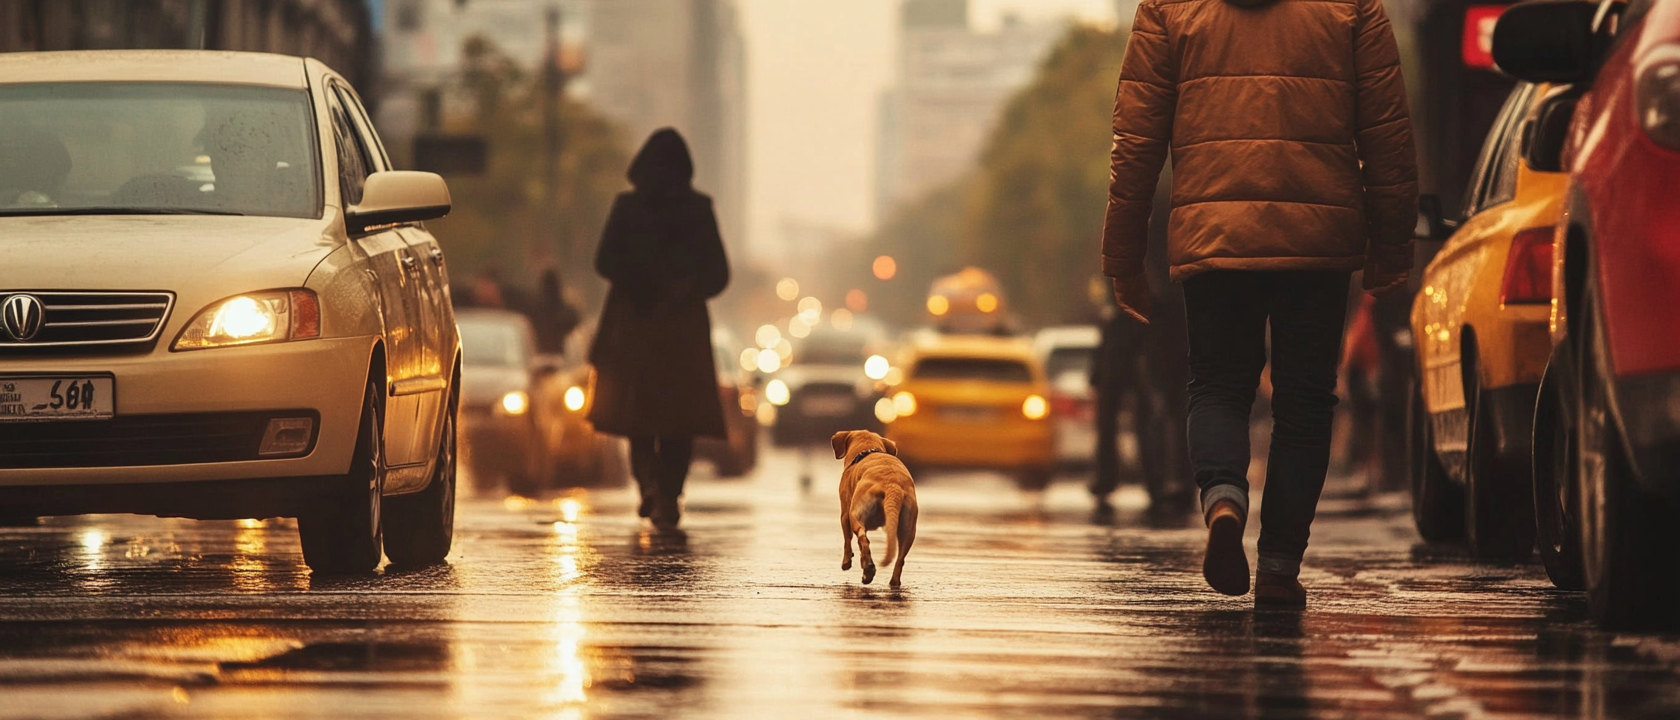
[[973, 369], [836, 348], [157, 148], [493, 344], [1068, 359]]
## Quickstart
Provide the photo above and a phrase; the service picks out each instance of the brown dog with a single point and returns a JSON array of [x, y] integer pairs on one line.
[[875, 491]]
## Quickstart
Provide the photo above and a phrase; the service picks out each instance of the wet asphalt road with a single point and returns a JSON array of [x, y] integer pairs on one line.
[[1013, 606]]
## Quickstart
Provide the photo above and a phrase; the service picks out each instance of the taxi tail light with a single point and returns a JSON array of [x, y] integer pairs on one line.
[[1069, 406], [1528, 268]]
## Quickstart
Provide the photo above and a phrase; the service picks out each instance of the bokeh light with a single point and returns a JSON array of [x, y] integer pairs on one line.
[[842, 319], [767, 336], [938, 305], [986, 303], [857, 300], [876, 367], [788, 289], [885, 267]]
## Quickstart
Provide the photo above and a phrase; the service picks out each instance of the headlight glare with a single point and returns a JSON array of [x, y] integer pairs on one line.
[[515, 403], [575, 398], [777, 392], [259, 317], [1035, 408]]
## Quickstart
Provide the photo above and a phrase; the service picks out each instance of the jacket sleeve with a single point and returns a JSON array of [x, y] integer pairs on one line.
[[714, 262], [1384, 140], [1144, 106], [612, 258]]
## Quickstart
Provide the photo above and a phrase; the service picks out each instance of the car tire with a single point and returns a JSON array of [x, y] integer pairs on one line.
[[1629, 535], [1034, 480], [1437, 503], [1556, 486], [420, 527], [344, 535], [1498, 498]]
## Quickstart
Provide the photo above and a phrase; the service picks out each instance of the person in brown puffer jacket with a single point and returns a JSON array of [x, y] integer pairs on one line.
[[1293, 167]]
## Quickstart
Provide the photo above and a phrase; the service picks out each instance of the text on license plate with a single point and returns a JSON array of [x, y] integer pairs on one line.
[[60, 397]]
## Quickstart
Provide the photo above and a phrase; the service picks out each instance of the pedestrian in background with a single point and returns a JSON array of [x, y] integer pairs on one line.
[[1293, 167], [553, 316], [655, 380]]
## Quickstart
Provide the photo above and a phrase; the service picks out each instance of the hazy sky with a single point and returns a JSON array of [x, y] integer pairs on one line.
[[815, 73]]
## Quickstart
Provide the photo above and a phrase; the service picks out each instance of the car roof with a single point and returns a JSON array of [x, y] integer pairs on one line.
[[1065, 336], [192, 66]]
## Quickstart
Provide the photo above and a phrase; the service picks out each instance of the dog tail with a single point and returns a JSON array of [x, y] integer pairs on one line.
[[892, 500]]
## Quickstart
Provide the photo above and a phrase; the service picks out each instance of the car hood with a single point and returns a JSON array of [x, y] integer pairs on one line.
[[483, 385], [206, 254], [798, 375]]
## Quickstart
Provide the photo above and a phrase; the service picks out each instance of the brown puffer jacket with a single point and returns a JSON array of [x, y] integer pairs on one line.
[[1290, 137]]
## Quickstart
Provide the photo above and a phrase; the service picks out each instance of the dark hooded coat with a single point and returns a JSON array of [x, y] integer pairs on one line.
[[664, 257]]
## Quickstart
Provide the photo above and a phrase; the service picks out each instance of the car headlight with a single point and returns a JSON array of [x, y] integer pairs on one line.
[[876, 367], [515, 403], [904, 404], [777, 392], [575, 398], [1035, 408], [261, 317]]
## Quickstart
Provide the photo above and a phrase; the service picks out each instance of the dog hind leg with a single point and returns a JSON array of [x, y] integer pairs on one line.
[[892, 499], [906, 537], [846, 532]]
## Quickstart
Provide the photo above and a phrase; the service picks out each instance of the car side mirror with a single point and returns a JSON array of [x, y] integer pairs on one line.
[[1433, 219], [1555, 41], [396, 197], [1545, 133]]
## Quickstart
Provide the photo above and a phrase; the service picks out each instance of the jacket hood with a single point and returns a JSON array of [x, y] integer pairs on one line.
[[663, 164]]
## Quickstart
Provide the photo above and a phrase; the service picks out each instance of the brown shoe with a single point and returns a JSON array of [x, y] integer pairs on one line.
[[1225, 566], [1279, 592], [666, 514]]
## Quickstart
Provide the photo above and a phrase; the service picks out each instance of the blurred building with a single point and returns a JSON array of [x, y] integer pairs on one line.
[[952, 83], [677, 63], [337, 32]]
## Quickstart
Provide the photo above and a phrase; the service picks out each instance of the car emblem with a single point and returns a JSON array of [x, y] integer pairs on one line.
[[21, 315]]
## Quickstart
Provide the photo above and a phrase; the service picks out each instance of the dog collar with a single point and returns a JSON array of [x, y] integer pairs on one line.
[[860, 456]]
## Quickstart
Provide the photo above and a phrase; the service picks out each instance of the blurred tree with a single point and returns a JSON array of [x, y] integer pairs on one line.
[[1032, 212], [1035, 212], [499, 220]]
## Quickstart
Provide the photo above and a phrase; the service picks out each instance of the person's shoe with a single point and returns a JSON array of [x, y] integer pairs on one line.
[[1225, 566], [649, 501], [1279, 592], [666, 514]]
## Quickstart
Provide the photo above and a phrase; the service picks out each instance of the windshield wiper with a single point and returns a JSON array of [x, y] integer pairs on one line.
[[35, 212]]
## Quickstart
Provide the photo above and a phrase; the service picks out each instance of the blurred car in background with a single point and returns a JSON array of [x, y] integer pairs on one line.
[[512, 424], [1066, 353], [826, 387], [1480, 325], [736, 455], [974, 402], [969, 302], [586, 458]]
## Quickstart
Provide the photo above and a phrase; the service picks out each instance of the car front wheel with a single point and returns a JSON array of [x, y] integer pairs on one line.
[[420, 528], [344, 535]]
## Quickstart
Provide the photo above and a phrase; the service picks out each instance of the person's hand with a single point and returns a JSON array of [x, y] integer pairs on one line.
[[1379, 283], [1131, 293]]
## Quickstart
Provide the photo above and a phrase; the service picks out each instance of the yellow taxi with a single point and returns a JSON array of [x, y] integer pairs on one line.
[[1480, 327], [973, 402]]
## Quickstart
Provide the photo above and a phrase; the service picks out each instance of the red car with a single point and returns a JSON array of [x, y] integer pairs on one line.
[[1607, 431]]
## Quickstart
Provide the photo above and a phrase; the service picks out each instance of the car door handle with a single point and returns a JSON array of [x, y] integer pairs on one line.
[[409, 263], [437, 256]]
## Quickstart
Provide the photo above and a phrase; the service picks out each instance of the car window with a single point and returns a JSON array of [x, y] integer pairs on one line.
[[1495, 167], [1502, 183], [493, 344], [353, 160], [364, 127], [831, 349], [974, 369], [1069, 359], [157, 148]]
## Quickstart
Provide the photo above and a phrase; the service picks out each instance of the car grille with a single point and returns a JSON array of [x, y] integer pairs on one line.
[[115, 321], [136, 440]]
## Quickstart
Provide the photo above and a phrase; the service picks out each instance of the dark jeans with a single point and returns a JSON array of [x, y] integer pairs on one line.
[[661, 464], [1228, 314]]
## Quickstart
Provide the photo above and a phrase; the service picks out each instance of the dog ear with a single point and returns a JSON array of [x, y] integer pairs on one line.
[[841, 441], [892, 447]]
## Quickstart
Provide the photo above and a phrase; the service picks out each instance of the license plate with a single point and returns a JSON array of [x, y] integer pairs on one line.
[[967, 414], [826, 406], [59, 397]]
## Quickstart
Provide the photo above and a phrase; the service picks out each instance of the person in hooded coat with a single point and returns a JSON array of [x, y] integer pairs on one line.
[[655, 379], [1293, 167]]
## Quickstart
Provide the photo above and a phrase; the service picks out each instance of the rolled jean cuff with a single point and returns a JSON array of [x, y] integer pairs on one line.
[[1214, 495], [1279, 565]]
